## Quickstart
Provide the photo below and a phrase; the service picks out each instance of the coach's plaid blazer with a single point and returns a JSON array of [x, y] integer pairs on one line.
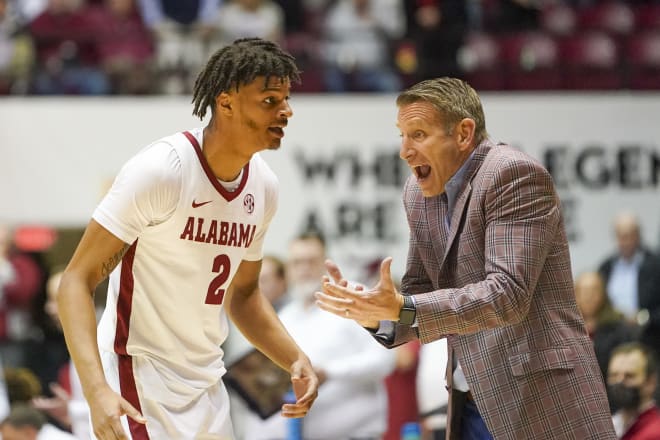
[[498, 285]]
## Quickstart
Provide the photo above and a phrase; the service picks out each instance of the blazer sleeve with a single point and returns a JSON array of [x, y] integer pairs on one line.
[[415, 280]]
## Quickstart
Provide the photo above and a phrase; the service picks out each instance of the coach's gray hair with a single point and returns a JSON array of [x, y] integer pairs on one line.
[[454, 100]]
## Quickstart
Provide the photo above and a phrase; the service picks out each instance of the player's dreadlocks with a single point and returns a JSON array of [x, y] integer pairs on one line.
[[239, 64]]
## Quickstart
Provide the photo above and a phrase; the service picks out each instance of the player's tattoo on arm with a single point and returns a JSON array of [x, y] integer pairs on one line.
[[108, 266]]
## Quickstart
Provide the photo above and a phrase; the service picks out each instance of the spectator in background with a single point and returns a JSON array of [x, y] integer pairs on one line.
[[432, 395], [251, 18], [356, 46], [20, 281], [125, 47], [401, 390], [401, 384], [272, 281], [606, 325], [632, 379], [27, 423], [16, 52], [437, 28], [67, 405], [185, 34], [22, 387], [295, 16], [27, 10], [517, 15], [273, 285], [67, 56], [4, 395], [352, 400], [67, 53], [632, 276]]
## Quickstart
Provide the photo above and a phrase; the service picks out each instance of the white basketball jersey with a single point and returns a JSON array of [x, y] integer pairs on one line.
[[188, 236]]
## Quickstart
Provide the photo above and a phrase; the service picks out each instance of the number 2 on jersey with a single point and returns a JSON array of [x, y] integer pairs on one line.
[[216, 293]]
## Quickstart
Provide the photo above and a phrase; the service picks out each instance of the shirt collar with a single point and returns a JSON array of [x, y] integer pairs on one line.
[[456, 183]]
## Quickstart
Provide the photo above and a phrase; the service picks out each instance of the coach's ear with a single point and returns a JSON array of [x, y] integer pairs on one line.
[[464, 133]]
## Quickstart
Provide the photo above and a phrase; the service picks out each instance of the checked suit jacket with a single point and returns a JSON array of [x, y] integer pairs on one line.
[[498, 285]]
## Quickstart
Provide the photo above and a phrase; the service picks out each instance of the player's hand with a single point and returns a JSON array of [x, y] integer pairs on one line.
[[305, 386], [366, 306], [106, 407]]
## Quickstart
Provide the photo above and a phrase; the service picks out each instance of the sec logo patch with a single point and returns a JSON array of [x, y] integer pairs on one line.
[[248, 203]]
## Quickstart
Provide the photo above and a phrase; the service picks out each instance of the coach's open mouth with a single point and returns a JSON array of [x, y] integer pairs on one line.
[[422, 171]]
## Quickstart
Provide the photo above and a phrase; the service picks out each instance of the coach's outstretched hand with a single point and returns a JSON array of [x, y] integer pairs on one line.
[[106, 407], [366, 306], [305, 386]]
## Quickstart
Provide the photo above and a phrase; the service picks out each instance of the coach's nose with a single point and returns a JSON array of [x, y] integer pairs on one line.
[[406, 151]]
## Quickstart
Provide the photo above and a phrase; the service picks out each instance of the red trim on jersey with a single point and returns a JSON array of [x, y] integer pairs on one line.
[[129, 392], [125, 362], [124, 300], [229, 196]]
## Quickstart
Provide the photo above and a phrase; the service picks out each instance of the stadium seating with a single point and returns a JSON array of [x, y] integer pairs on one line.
[[647, 17], [530, 61], [590, 61], [643, 60], [613, 17], [479, 58]]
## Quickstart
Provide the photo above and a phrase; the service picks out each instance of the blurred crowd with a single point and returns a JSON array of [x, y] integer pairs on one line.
[[139, 47], [370, 391]]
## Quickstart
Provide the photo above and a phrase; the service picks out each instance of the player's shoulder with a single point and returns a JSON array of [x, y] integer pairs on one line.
[[260, 169], [160, 160]]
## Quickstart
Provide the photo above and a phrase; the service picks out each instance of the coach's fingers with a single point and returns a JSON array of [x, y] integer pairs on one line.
[[131, 412], [335, 272], [332, 304], [386, 274]]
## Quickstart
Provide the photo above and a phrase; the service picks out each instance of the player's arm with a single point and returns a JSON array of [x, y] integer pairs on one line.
[[98, 253], [256, 319]]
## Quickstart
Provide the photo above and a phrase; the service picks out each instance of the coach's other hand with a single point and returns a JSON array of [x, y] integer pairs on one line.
[[366, 306]]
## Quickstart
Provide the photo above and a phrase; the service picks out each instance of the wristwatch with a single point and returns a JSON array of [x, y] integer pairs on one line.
[[408, 311]]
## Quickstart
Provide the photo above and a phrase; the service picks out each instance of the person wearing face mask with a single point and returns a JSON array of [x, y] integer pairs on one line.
[[352, 402], [631, 382]]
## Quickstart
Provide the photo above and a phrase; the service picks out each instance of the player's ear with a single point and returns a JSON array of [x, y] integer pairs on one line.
[[223, 103]]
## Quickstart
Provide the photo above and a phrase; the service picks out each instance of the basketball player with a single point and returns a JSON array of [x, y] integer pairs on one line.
[[180, 234]]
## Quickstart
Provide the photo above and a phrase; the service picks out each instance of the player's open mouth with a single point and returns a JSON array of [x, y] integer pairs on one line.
[[276, 131], [422, 171]]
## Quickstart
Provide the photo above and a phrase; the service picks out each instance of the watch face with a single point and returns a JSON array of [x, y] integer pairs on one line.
[[407, 313], [407, 316]]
